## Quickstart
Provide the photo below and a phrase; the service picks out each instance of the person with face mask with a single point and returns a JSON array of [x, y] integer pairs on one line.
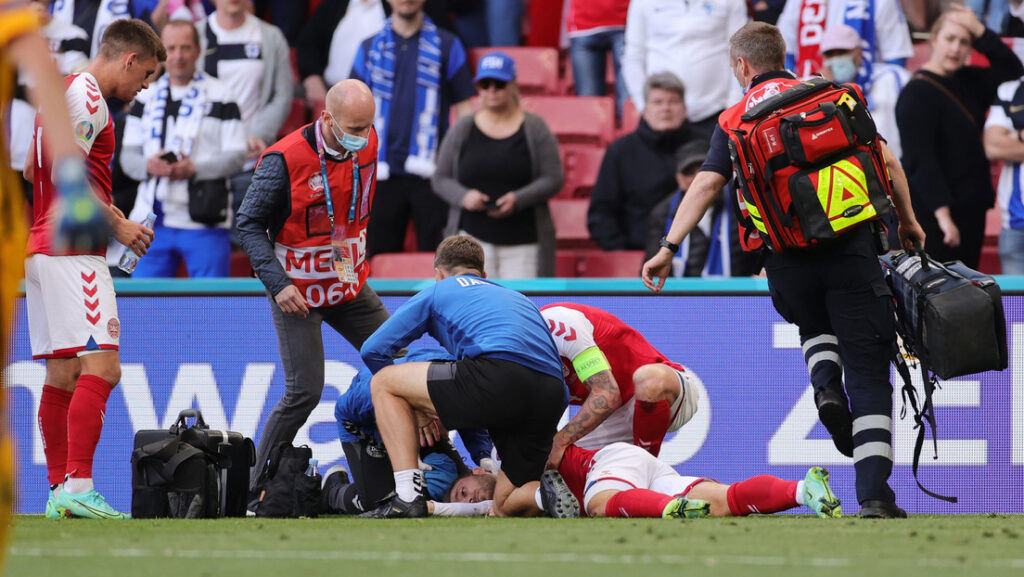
[[303, 225], [842, 57]]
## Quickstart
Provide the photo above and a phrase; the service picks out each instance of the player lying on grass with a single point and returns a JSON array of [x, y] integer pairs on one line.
[[623, 480], [372, 479]]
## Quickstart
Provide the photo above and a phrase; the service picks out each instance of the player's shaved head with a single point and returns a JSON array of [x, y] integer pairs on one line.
[[351, 103]]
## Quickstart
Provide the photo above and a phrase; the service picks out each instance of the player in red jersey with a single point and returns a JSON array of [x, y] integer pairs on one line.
[[72, 313], [627, 390], [623, 480]]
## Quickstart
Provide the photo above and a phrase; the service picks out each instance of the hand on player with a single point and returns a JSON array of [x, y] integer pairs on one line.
[[658, 267], [555, 456], [291, 301], [131, 234], [430, 429], [506, 206]]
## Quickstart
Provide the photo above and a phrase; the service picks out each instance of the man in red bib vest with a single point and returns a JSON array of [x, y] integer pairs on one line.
[[303, 225], [834, 292]]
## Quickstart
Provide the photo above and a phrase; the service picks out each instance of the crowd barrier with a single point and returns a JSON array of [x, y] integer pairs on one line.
[[211, 345]]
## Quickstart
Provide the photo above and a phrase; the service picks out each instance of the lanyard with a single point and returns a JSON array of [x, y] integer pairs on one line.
[[327, 186]]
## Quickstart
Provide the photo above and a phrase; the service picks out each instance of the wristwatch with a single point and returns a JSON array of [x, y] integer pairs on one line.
[[664, 243]]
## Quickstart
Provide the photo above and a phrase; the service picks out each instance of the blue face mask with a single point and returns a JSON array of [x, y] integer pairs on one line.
[[348, 141], [843, 68]]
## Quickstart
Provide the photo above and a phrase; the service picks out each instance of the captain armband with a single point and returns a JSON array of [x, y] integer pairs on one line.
[[589, 363]]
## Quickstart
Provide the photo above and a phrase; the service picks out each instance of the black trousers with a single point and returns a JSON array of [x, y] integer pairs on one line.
[[396, 201], [972, 235], [839, 290]]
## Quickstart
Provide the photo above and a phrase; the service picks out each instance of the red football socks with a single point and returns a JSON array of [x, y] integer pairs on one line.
[[637, 503], [85, 423], [761, 494], [650, 423], [53, 427]]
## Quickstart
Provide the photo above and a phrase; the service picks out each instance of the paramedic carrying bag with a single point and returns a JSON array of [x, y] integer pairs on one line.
[[190, 471], [809, 166], [949, 317]]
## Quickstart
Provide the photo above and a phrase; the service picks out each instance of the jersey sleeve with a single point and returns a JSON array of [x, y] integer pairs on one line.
[[891, 32], [571, 330], [997, 112], [88, 111]]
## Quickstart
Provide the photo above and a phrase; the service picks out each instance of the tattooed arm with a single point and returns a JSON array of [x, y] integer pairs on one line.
[[603, 400]]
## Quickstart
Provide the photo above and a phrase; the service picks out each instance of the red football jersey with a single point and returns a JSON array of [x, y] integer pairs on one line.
[[576, 328], [576, 463], [94, 133]]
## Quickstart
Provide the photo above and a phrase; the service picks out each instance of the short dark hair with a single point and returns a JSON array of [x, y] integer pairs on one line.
[[186, 24], [760, 44], [131, 35], [459, 252]]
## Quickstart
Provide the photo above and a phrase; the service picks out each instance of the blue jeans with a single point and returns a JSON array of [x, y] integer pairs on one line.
[[471, 24], [589, 61], [504, 22], [206, 252], [998, 12], [1011, 250]]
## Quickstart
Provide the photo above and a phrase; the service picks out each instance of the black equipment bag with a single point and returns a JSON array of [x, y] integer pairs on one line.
[[950, 318], [288, 491], [190, 472]]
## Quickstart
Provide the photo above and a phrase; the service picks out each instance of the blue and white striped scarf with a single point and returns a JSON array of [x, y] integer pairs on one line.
[[860, 15], [381, 62]]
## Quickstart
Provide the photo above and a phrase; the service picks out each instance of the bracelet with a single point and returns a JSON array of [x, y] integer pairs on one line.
[[664, 243]]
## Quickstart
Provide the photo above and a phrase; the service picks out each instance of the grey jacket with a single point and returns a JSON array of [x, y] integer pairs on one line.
[[276, 91], [546, 162]]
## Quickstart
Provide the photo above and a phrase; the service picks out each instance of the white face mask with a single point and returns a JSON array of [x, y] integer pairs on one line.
[[844, 69]]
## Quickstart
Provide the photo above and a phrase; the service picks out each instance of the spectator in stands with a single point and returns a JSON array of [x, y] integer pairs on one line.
[[69, 46], [596, 29], [842, 57], [882, 29], [329, 41], [940, 114], [183, 139], [496, 169], [504, 22], [767, 10], [690, 40], [93, 16], [417, 73], [251, 57], [638, 170], [1004, 142], [166, 10]]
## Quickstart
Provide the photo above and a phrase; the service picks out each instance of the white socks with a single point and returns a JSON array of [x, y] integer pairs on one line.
[[409, 484], [800, 493], [77, 486], [537, 498]]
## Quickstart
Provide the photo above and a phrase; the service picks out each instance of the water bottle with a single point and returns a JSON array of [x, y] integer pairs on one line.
[[311, 469], [129, 260]]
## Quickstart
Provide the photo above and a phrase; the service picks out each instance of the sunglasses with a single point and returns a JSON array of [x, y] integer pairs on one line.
[[487, 83]]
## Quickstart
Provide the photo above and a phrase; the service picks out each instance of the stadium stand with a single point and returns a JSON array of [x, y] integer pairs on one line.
[[580, 163], [598, 263], [402, 265], [576, 119], [570, 218]]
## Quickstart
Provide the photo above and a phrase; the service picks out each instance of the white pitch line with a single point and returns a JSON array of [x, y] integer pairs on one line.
[[491, 557]]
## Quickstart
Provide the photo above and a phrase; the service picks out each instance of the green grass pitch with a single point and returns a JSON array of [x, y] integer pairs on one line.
[[932, 546]]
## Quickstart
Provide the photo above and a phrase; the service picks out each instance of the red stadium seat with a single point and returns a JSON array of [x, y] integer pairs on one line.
[[296, 118], [240, 267], [581, 165], [576, 119], [566, 263], [630, 118], [610, 264], [402, 265], [536, 68], [570, 219], [922, 52]]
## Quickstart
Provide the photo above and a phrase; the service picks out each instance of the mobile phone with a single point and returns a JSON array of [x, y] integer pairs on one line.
[[491, 204], [169, 157]]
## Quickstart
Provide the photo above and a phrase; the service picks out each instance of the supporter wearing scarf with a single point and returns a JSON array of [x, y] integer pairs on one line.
[[381, 68], [860, 15], [107, 12]]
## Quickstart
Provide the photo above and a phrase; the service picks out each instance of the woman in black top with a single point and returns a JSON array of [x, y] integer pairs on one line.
[[941, 113], [496, 170]]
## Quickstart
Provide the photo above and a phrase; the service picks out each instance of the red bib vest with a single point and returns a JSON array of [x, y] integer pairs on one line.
[[303, 245]]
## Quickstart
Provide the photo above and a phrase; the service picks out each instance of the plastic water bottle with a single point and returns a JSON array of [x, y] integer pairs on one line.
[[311, 469], [129, 260]]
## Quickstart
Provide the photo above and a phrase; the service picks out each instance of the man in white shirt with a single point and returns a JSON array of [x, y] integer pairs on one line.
[[250, 57], [691, 40], [1004, 141], [183, 138]]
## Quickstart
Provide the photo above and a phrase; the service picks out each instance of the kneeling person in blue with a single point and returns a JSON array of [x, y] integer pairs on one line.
[[372, 477], [507, 378]]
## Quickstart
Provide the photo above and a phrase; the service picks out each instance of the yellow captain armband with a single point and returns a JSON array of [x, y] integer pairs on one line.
[[16, 22], [589, 363]]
